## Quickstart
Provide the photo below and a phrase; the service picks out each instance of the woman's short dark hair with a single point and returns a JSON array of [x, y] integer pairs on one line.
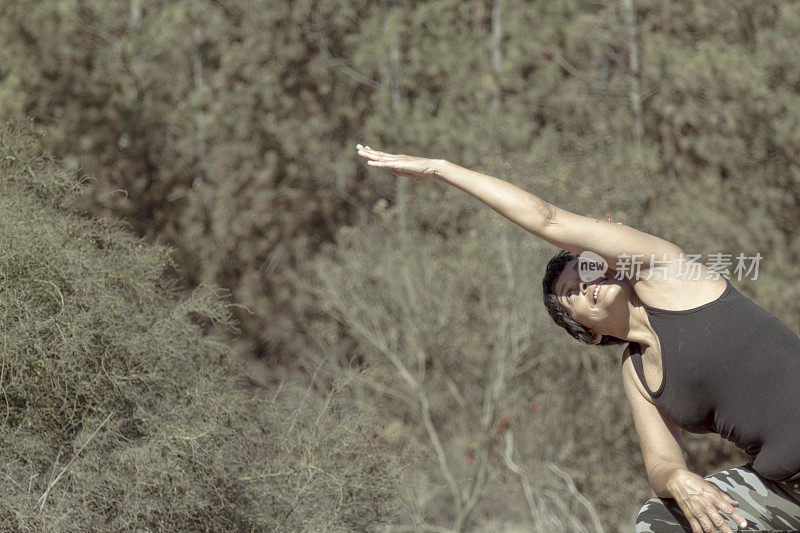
[[557, 311]]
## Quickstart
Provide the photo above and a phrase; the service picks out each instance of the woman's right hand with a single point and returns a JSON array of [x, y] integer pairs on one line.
[[701, 502], [416, 168]]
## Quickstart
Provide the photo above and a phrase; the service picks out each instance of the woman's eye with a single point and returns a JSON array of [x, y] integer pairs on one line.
[[570, 292]]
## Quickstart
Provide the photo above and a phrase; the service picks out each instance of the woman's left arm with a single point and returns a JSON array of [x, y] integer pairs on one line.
[[559, 227], [562, 228]]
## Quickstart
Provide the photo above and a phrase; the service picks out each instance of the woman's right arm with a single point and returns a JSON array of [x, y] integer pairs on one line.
[[666, 468]]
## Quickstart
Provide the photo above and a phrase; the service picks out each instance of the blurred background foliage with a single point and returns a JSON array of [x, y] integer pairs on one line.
[[224, 131]]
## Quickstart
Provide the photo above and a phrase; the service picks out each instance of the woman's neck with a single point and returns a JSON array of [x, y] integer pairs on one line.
[[638, 328]]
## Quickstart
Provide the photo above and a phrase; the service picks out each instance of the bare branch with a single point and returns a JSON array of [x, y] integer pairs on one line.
[[514, 467], [578, 496]]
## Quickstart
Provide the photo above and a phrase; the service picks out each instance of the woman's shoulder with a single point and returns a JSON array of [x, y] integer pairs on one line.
[[677, 294], [630, 377]]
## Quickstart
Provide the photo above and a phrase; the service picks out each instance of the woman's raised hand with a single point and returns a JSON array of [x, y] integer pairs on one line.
[[702, 502], [416, 168]]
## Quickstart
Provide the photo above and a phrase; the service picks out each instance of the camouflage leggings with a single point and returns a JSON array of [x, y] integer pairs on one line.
[[767, 505]]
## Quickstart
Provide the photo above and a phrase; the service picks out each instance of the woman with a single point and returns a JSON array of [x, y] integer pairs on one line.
[[700, 356]]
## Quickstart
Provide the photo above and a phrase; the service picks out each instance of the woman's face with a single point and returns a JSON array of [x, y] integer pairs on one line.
[[608, 312]]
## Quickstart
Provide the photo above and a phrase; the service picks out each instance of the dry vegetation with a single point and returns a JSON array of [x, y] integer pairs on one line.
[[120, 414]]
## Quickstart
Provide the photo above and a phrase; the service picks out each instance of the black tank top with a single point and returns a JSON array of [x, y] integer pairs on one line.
[[730, 367]]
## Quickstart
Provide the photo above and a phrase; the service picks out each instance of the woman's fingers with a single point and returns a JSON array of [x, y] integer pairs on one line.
[[701, 512], [712, 520], [728, 505], [377, 157], [719, 523], [709, 523], [366, 150], [389, 165], [704, 517], [695, 525], [399, 166], [389, 161], [382, 164], [730, 500]]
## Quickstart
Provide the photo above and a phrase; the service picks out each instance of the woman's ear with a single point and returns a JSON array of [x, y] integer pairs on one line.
[[597, 339]]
